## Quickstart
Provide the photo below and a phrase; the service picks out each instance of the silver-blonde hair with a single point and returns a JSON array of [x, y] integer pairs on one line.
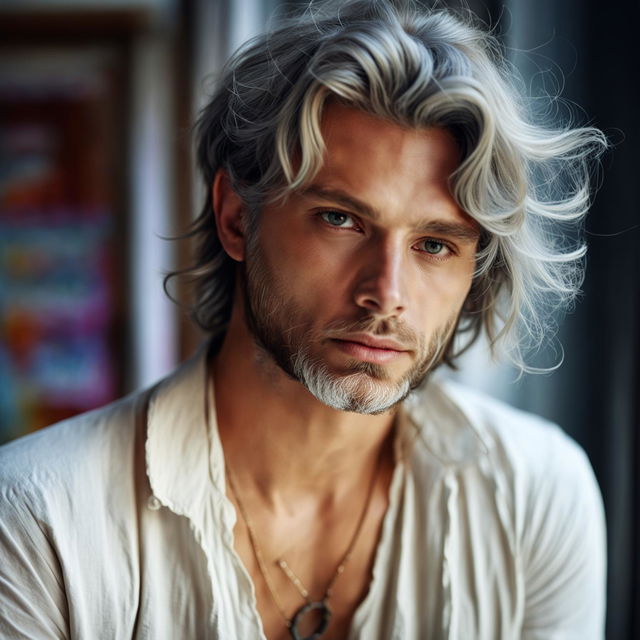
[[525, 183]]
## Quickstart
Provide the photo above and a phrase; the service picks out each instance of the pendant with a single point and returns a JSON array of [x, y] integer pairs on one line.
[[302, 612]]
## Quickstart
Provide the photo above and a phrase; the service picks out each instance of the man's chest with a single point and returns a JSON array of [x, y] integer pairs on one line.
[[312, 574]]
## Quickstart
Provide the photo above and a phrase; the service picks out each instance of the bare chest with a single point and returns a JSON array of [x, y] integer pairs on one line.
[[306, 567]]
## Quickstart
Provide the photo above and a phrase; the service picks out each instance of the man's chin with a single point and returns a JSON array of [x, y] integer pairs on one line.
[[358, 392], [363, 404]]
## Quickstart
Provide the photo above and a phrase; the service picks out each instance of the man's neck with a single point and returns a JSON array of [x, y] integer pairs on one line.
[[279, 437]]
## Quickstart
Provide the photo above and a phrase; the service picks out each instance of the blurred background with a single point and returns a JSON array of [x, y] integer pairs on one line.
[[96, 103]]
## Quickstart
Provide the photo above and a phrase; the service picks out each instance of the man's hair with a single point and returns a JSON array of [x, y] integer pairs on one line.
[[526, 184]]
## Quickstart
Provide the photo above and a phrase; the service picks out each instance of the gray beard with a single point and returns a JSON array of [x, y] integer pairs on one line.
[[357, 392]]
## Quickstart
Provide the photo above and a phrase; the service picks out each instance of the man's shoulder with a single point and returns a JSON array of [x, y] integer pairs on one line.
[[501, 420], [526, 470], [522, 489], [79, 447], [103, 454], [513, 441]]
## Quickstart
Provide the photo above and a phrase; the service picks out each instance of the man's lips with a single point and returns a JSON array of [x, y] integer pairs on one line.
[[370, 348], [374, 342]]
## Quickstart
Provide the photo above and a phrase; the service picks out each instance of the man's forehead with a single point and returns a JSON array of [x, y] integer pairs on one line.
[[345, 125], [385, 171]]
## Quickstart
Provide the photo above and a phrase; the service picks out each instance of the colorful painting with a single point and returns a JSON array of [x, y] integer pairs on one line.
[[58, 281]]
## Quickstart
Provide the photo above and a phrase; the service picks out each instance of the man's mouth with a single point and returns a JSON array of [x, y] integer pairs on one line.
[[370, 348]]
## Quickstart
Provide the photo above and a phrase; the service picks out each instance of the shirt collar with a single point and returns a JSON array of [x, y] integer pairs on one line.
[[179, 447]]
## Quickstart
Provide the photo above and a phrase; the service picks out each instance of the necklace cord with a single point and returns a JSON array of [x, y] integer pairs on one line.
[[354, 538], [255, 548], [283, 564]]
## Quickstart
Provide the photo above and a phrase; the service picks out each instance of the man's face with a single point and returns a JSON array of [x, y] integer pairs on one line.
[[354, 285]]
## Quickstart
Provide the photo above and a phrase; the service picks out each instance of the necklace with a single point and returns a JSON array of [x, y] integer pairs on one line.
[[310, 605]]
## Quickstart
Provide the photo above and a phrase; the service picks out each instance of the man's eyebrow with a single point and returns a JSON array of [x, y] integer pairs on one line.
[[339, 196], [458, 230]]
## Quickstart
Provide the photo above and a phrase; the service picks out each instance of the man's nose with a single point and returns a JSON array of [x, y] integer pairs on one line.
[[381, 284]]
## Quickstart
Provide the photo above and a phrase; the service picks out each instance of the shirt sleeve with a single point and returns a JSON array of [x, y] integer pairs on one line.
[[32, 597], [565, 549]]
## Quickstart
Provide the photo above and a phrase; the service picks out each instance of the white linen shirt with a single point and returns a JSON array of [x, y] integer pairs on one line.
[[115, 524]]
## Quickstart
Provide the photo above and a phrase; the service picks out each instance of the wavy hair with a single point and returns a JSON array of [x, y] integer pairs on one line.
[[525, 183]]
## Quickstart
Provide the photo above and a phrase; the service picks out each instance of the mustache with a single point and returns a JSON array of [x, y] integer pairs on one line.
[[380, 327]]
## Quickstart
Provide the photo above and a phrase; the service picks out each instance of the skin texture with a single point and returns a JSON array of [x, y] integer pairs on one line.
[[364, 272]]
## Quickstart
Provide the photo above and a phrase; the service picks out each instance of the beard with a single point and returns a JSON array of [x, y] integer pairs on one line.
[[283, 332]]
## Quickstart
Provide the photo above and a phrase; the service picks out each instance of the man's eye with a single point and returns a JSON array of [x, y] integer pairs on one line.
[[433, 247], [337, 219]]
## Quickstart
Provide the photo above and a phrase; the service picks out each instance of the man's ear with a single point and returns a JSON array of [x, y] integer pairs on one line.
[[229, 211]]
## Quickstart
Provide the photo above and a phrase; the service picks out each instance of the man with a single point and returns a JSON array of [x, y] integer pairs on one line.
[[370, 203]]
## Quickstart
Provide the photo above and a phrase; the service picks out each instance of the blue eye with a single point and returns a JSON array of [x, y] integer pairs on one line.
[[338, 219], [433, 247]]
